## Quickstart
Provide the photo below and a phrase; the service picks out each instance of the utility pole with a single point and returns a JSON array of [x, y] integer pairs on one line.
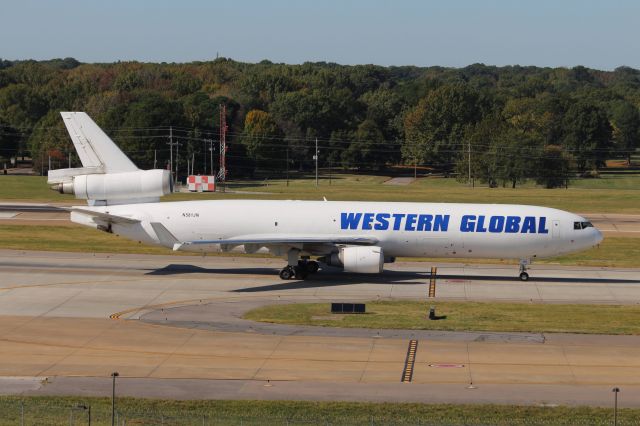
[[155, 158], [315, 157], [113, 398], [177, 158], [615, 406], [469, 163], [211, 154], [222, 172], [171, 154], [287, 164]]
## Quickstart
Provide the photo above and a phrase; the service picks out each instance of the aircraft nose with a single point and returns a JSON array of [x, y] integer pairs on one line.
[[597, 237]]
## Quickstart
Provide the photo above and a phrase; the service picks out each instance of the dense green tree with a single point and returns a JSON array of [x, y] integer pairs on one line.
[[9, 141], [263, 139], [553, 167], [587, 135], [145, 130], [480, 157], [382, 105], [368, 149], [21, 106], [435, 128], [50, 138], [626, 128], [356, 112]]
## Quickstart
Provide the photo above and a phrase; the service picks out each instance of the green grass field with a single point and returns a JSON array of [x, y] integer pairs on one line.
[[619, 252], [57, 411], [463, 316], [618, 193]]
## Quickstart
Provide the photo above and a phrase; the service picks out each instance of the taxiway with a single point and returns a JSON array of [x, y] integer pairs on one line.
[[172, 327]]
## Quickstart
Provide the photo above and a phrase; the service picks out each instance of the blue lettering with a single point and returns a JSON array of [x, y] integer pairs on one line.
[[496, 224], [397, 218], [383, 221], [480, 227], [424, 222], [350, 220], [528, 225], [513, 224], [366, 220], [467, 223], [400, 221], [411, 221], [441, 223], [542, 226]]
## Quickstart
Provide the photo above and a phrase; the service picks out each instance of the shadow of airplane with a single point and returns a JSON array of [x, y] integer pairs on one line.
[[335, 277], [179, 269]]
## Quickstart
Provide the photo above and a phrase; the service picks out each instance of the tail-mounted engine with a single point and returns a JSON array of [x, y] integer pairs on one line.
[[112, 188]]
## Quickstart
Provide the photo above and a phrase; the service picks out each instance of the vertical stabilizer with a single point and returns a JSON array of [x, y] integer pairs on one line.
[[94, 147]]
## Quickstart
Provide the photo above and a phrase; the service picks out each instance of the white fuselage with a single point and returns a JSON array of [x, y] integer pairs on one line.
[[401, 229]]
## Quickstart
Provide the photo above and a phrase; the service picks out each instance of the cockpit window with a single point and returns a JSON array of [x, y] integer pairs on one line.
[[582, 225]]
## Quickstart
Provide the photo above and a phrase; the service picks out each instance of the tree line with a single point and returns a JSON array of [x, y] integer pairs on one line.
[[499, 125]]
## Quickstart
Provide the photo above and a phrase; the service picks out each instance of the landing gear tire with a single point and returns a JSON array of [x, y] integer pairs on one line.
[[300, 272], [312, 267], [524, 276], [287, 273]]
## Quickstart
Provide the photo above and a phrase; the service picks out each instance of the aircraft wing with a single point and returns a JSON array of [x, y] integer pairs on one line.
[[109, 218], [290, 240]]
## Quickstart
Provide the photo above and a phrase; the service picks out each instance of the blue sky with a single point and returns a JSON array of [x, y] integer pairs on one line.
[[597, 34]]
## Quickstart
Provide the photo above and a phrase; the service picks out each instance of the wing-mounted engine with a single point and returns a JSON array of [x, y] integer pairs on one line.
[[358, 259], [112, 188]]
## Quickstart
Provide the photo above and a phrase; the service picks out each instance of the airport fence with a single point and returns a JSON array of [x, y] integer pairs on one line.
[[39, 413]]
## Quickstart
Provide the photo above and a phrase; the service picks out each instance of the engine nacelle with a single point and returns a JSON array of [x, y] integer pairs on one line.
[[358, 259], [112, 187]]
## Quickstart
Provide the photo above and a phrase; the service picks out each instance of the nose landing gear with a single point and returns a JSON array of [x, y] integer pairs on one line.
[[524, 276]]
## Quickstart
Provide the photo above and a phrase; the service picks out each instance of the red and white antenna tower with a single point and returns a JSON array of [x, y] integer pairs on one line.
[[222, 172]]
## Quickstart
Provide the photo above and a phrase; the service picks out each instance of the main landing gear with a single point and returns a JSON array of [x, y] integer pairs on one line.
[[524, 276], [298, 269]]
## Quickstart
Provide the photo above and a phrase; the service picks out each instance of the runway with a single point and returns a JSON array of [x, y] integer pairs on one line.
[[172, 327]]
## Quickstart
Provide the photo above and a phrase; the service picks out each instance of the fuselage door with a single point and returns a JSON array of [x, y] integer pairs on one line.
[[555, 229]]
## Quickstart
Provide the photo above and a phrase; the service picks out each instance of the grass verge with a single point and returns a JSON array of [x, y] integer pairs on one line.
[[57, 411], [614, 252], [463, 316], [609, 194]]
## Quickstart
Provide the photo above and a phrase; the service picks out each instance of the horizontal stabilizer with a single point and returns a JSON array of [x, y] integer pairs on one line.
[[66, 175]]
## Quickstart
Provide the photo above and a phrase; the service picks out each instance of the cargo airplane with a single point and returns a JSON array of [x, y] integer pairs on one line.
[[356, 236]]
